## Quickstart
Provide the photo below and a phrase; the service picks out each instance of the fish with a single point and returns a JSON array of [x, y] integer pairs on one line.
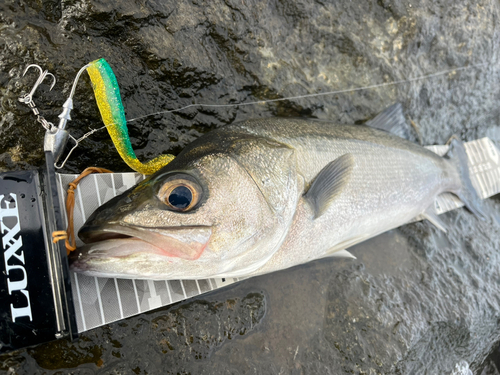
[[263, 195]]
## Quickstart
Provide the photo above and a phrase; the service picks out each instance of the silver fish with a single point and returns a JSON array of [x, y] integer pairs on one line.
[[264, 195]]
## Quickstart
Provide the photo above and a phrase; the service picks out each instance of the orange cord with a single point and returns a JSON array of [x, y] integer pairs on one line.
[[59, 235], [70, 205]]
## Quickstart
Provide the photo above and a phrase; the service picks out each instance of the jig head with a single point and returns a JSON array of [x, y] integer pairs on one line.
[[56, 137]]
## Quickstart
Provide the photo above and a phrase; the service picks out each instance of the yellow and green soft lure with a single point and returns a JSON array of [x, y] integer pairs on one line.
[[109, 101]]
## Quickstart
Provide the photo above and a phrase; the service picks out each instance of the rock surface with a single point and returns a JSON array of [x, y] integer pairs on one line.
[[416, 301]]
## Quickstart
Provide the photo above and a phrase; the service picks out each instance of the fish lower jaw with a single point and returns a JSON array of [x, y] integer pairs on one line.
[[135, 265], [121, 248], [123, 241]]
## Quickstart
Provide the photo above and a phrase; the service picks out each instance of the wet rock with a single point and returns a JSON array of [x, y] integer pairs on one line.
[[167, 55], [492, 363], [436, 308], [11, 362], [198, 328], [415, 301], [63, 354], [164, 341]]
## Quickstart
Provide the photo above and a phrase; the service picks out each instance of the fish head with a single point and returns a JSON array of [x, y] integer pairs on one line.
[[204, 218]]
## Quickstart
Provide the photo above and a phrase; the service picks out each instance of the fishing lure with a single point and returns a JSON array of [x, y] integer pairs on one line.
[[107, 94]]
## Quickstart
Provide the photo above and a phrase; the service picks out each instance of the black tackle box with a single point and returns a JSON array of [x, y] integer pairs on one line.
[[36, 303]]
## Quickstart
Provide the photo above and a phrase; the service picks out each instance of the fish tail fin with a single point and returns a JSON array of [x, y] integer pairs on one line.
[[466, 191]]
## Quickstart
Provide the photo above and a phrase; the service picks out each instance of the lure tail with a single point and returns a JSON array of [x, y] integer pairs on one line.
[[110, 105]]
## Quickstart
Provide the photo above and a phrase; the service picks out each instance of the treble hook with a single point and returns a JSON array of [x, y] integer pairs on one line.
[[28, 98]]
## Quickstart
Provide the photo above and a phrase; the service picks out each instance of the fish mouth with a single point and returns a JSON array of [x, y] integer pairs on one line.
[[118, 240]]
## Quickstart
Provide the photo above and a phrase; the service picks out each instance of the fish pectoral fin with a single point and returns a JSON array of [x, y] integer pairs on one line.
[[433, 218], [340, 254], [329, 183], [391, 120]]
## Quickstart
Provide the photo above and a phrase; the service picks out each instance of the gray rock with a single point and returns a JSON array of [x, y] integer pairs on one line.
[[415, 302]]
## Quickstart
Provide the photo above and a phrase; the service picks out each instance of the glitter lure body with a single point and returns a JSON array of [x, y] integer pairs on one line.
[[107, 94]]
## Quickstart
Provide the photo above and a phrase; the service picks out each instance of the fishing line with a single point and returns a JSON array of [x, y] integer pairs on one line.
[[310, 95], [77, 142], [205, 105]]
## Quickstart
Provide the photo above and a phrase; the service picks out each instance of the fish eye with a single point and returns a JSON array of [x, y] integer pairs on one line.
[[180, 194]]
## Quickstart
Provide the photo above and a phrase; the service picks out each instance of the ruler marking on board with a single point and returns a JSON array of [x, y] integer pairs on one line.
[[99, 300], [154, 300], [183, 290], [97, 190], [119, 298], [81, 204], [136, 296], [80, 301], [113, 184], [168, 291], [62, 195]]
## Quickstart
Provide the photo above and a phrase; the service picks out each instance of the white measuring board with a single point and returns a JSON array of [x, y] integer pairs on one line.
[[100, 301]]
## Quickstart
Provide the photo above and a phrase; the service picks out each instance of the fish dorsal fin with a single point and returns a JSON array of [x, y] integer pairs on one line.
[[391, 120], [329, 183]]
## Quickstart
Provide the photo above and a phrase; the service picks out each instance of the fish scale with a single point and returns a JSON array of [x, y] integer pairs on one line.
[[389, 186]]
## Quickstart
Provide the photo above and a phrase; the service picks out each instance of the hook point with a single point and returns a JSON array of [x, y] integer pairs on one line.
[[53, 81], [33, 66]]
